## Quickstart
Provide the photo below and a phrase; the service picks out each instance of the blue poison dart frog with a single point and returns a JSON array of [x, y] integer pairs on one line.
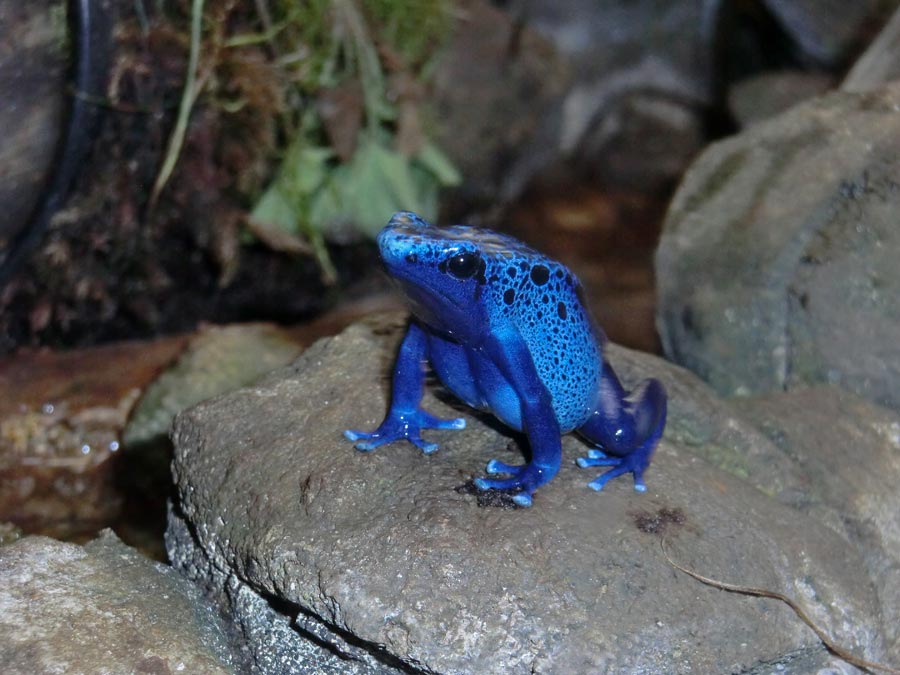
[[506, 330]]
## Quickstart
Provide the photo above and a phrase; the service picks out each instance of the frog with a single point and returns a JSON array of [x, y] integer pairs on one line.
[[507, 331]]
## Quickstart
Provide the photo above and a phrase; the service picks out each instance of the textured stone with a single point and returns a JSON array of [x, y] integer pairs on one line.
[[217, 359], [837, 459], [777, 263], [880, 63], [102, 608], [32, 86], [825, 30], [381, 551], [758, 98]]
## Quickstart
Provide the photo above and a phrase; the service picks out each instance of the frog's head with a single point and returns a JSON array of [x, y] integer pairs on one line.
[[441, 270]]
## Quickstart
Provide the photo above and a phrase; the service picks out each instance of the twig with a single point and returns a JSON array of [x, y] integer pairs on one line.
[[188, 96], [830, 645]]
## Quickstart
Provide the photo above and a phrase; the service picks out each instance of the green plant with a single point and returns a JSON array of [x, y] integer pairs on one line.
[[375, 159]]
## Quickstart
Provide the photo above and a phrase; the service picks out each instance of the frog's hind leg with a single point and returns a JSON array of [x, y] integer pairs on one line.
[[627, 427]]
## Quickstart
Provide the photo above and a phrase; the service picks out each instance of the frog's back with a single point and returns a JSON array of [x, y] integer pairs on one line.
[[543, 299]]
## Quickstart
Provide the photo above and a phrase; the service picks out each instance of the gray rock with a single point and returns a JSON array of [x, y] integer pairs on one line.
[[825, 30], [777, 262], [382, 552], [274, 637], [615, 91], [763, 96], [32, 86], [545, 87], [880, 63], [494, 93], [102, 608], [642, 75], [218, 359], [836, 457]]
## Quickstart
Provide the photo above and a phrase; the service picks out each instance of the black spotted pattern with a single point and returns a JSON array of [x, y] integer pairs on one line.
[[540, 296], [547, 310]]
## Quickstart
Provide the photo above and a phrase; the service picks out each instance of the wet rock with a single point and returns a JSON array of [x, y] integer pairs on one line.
[[9, 532], [102, 608], [57, 467], [384, 552], [61, 421], [776, 267]]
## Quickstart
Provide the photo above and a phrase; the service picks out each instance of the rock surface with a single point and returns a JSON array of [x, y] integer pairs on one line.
[[641, 76], [880, 63], [777, 263], [493, 93], [763, 96], [837, 460], [32, 85], [217, 359], [825, 30], [102, 608], [384, 559]]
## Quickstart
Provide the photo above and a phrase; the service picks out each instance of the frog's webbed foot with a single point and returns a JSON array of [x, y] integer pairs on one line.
[[635, 463], [627, 427], [526, 478], [397, 426]]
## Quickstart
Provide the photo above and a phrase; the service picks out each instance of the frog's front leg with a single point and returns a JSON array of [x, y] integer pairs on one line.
[[406, 419], [627, 427], [510, 354]]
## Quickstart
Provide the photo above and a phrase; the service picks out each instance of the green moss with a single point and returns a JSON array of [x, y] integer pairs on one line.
[[415, 29]]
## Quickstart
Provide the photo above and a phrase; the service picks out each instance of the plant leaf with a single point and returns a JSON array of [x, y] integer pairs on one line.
[[435, 161]]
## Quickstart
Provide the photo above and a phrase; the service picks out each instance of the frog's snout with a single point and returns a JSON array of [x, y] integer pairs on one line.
[[400, 239], [394, 247]]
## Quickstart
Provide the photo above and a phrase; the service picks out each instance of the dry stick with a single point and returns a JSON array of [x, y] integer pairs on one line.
[[835, 649]]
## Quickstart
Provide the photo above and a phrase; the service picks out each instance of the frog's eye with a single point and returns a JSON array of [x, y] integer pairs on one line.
[[463, 265]]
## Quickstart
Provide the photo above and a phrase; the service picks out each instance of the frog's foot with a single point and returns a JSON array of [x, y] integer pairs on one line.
[[398, 426], [635, 463], [526, 478]]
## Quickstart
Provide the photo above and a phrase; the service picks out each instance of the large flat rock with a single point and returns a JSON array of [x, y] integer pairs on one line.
[[379, 553]]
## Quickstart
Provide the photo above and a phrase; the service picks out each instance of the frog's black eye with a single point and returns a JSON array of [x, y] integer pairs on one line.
[[463, 265]]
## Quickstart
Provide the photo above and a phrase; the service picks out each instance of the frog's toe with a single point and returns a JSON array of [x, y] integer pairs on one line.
[[634, 463], [602, 460], [422, 444], [600, 481], [368, 441], [526, 477], [522, 480], [352, 435], [429, 421], [522, 499], [496, 483], [495, 466]]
